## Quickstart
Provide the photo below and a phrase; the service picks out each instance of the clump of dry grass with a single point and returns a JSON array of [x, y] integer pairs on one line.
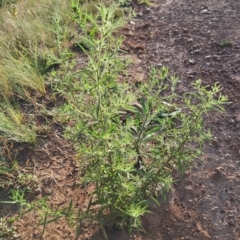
[[12, 125], [32, 36], [33, 30]]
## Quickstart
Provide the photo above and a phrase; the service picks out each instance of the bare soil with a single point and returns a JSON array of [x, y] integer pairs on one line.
[[195, 39]]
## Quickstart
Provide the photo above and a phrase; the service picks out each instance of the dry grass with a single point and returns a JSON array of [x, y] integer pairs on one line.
[[32, 35], [30, 31]]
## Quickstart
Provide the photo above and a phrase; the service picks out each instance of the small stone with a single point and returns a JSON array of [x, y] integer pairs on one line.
[[204, 11], [238, 125], [140, 14], [231, 223], [208, 56], [237, 120], [214, 208], [197, 51], [216, 57], [192, 61], [227, 204], [132, 23]]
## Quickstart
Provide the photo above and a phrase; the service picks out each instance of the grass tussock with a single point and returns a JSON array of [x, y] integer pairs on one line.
[[33, 36], [31, 31], [12, 124]]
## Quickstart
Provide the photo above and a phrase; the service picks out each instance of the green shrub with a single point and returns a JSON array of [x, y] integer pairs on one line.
[[130, 137]]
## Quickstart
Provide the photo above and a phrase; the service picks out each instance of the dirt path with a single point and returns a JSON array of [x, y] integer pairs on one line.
[[197, 39]]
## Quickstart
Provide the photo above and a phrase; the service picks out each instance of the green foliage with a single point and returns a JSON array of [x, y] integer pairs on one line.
[[130, 138], [7, 231], [225, 43], [12, 178], [46, 213], [146, 2]]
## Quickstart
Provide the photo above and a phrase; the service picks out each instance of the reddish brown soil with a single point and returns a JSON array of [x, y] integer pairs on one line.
[[184, 35]]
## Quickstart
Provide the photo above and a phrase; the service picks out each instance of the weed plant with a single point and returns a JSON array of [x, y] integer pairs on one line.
[[6, 231], [130, 138], [225, 43]]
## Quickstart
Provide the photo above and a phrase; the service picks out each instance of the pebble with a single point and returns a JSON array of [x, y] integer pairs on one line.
[[208, 56], [159, 65], [231, 223], [192, 61], [227, 204], [237, 120], [197, 51], [204, 11], [238, 125]]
